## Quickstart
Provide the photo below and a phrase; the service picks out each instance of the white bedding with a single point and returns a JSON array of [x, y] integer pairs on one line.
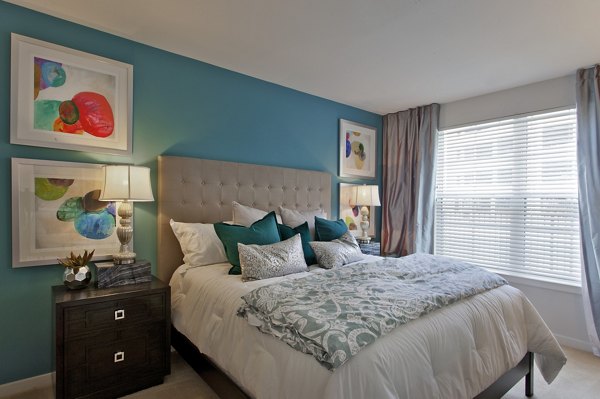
[[454, 352]]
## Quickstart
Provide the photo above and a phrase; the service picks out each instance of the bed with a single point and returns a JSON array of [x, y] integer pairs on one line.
[[483, 355]]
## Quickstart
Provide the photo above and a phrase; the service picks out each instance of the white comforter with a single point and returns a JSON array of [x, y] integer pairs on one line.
[[454, 352]]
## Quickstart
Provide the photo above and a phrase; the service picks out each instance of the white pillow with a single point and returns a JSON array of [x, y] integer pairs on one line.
[[245, 215], [294, 218], [273, 260], [337, 252], [199, 243]]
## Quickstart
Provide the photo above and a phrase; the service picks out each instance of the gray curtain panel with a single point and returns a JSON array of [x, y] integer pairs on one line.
[[409, 151], [588, 167]]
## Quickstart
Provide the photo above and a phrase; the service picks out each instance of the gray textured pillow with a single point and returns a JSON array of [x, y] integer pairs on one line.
[[294, 218], [337, 252], [273, 260]]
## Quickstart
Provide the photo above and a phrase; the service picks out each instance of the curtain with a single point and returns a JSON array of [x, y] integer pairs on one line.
[[588, 167], [409, 149]]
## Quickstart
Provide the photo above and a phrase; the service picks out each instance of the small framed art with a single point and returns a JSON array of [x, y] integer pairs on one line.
[[68, 99], [55, 210], [358, 149], [350, 213]]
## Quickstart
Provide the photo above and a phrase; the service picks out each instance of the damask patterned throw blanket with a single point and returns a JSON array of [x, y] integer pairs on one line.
[[335, 313]]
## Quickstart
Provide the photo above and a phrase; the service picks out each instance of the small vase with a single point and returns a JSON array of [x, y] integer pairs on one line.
[[76, 278]]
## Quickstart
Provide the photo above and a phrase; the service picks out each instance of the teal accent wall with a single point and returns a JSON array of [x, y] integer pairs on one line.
[[180, 107]]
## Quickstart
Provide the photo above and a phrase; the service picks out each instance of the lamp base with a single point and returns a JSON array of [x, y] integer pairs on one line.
[[124, 258], [125, 234], [364, 226], [363, 240]]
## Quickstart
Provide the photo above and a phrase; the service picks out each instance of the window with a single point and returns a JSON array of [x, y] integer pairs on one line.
[[506, 196]]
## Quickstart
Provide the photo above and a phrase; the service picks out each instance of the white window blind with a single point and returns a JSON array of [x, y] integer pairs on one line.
[[506, 196]]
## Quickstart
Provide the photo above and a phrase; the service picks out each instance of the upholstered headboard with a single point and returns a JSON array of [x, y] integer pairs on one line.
[[201, 191]]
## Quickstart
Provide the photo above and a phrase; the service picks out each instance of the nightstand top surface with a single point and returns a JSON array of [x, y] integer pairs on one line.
[[62, 294]]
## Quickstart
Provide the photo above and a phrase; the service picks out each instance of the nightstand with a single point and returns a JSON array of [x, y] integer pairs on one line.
[[372, 248], [112, 341]]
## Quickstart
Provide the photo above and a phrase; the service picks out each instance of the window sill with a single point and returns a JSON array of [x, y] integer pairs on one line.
[[571, 288]]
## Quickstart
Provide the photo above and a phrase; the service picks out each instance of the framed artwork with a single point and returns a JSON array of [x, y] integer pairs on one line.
[[55, 210], [350, 213], [358, 149], [68, 99]]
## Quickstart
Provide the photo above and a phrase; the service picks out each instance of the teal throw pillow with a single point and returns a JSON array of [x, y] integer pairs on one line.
[[328, 230], [261, 232], [286, 232]]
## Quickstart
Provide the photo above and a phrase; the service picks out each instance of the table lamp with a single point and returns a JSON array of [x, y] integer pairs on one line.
[[127, 184], [366, 195]]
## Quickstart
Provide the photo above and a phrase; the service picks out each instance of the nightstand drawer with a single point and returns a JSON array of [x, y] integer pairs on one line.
[[114, 358], [85, 319], [111, 342]]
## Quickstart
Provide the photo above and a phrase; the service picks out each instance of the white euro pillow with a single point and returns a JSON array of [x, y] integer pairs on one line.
[[294, 218], [244, 215], [199, 243]]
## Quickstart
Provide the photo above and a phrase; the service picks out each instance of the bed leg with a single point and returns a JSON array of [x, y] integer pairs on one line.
[[529, 377]]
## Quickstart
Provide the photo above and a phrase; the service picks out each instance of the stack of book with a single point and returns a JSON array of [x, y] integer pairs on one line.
[[111, 275]]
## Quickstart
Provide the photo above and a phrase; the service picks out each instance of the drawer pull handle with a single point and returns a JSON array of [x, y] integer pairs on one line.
[[119, 357], [119, 314]]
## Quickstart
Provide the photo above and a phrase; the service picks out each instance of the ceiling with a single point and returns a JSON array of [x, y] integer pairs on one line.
[[378, 55]]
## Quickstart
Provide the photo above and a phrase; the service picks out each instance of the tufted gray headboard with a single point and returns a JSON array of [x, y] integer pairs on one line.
[[201, 191]]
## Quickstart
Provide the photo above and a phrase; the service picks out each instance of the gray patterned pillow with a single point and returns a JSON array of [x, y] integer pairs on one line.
[[273, 260], [337, 252]]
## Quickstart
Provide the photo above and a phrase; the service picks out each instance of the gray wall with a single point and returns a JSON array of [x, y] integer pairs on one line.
[[560, 306]]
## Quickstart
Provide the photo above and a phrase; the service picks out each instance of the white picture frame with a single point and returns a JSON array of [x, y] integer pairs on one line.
[[69, 99], [358, 150], [52, 215]]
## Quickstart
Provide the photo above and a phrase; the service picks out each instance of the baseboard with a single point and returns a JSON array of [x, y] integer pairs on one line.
[[574, 343], [27, 384]]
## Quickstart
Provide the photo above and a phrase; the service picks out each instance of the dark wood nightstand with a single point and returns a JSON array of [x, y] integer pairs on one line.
[[112, 341], [372, 248]]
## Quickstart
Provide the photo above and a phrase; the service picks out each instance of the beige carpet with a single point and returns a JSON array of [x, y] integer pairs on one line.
[[579, 379]]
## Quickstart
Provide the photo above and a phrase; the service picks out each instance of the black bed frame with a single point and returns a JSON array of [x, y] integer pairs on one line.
[[226, 388]]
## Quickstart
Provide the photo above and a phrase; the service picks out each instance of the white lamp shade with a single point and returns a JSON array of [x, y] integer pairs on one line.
[[126, 182], [367, 195]]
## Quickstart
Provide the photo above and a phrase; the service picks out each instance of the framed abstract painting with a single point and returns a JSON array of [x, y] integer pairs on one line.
[[55, 210], [358, 149], [350, 213], [68, 99]]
